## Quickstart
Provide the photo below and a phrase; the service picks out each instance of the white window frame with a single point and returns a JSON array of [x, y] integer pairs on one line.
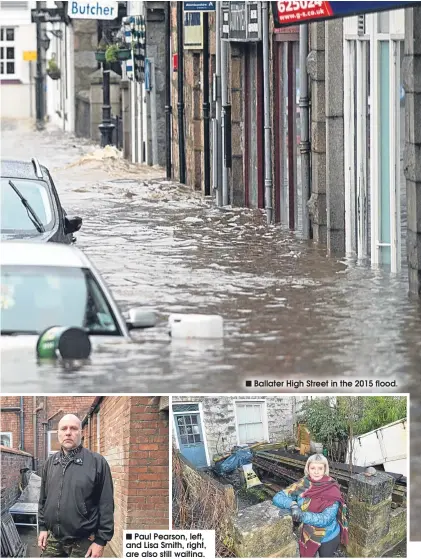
[[356, 177], [8, 44], [394, 37], [264, 415], [202, 424], [10, 435], [49, 434]]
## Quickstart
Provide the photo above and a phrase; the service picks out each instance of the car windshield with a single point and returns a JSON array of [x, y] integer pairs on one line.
[[34, 298], [14, 216]]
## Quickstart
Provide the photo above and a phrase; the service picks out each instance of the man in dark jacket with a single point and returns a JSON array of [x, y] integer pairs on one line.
[[76, 506]]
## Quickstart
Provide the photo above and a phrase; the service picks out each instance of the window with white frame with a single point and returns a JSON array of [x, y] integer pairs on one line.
[[7, 439], [7, 52], [53, 444], [251, 421]]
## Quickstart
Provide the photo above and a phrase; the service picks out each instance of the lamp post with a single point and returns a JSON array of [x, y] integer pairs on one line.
[[39, 82], [106, 127]]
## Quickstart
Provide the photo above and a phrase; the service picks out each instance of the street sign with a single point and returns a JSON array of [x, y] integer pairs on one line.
[[241, 21], [93, 9], [288, 12], [45, 15], [199, 6], [29, 55]]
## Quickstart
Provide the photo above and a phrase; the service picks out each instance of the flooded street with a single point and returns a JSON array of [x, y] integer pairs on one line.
[[290, 312], [287, 307]]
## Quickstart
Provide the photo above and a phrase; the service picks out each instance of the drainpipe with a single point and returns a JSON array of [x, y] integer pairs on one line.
[[217, 131], [168, 108], [305, 132], [268, 135], [225, 116], [180, 104], [22, 432], [89, 432], [35, 429], [206, 106], [34, 424], [45, 423]]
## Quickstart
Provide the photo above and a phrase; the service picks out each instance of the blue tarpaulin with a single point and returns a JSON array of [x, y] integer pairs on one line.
[[237, 459], [288, 12]]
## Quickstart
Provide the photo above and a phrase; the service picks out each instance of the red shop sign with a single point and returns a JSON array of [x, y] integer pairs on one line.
[[293, 12]]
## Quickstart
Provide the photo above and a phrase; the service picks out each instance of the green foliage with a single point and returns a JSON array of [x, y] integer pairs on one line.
[[111, 54], [351, 416], [52, 65], [379, 411], [325, 422]]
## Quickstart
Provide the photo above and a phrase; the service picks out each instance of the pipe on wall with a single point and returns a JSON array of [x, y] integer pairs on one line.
[[168, 107], [22, 426], [206, 105], [180, 104], [34, 425], [305, 148], [267, 123]]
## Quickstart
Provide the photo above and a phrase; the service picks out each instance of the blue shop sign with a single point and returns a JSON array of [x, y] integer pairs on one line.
[[199, 6], [289, 12]]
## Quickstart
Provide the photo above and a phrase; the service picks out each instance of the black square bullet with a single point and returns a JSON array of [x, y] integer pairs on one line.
[[248, 382], [129, 536]]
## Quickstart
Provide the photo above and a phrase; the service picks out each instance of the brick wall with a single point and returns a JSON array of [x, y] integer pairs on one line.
[[134, 439], [12, 461], [50, 408]]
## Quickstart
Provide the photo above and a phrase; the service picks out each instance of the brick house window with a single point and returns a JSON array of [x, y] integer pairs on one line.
[[53, 444], [251, 421], [7, 52], [7, 439]]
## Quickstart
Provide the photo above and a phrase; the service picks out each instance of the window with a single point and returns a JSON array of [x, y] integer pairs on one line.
[[53, 444], [189, 429], [35, 297], [251, 422], [7, 440], [7, 52]]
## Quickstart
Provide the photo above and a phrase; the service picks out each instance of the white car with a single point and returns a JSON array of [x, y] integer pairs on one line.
[[51, 284]]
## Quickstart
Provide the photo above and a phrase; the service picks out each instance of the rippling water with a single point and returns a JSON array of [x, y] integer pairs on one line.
[[289, 311]]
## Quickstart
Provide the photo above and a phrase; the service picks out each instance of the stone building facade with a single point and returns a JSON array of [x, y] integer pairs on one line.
[[223, 421]]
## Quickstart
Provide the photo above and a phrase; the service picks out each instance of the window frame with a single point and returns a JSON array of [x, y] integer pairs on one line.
[[4, 44], [49, 433], [10, 434], [263, 404]]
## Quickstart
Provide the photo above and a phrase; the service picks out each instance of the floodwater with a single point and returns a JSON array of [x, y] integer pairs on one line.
[[290, 311]]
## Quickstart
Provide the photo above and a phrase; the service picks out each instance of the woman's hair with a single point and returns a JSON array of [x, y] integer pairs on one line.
[[317, 458]]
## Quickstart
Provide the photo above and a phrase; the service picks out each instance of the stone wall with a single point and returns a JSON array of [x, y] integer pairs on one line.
[[220, 421], [85, 43], [83, 115], [155, 41], [259, 531], [316, 70], [374, 527]]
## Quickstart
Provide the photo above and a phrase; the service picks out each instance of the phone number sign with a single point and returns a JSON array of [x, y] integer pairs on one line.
[[289, 12]]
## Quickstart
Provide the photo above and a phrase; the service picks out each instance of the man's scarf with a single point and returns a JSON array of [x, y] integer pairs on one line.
[[318, 495], [65, 458]]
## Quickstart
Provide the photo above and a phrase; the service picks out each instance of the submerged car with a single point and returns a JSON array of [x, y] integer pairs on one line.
[[48, 284], [30, 205]]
